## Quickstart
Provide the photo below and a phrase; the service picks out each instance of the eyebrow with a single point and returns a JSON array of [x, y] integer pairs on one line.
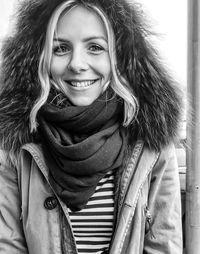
[[84, 40]]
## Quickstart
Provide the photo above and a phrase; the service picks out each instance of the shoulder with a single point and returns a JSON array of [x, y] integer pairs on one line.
[[142, 154], [165, 169], [29, 150], [6, 159], [165, 154], [158, 163], [8, 170]]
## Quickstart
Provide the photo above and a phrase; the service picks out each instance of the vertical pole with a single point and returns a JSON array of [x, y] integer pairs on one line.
[[193, 131]]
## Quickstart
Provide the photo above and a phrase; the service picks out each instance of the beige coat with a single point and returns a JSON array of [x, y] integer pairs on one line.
[[148, 221]]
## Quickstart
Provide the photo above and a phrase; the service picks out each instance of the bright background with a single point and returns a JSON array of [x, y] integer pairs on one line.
[[169, 19], [7, 7]]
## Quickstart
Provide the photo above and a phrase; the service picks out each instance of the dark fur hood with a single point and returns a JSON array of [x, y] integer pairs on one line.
[[158, 116]]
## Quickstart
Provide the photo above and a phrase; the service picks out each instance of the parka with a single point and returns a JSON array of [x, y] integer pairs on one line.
[[148, 218], [33, 219]]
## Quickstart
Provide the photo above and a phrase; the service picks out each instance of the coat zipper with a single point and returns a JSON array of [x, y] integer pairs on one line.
[[122, 198], [148, 217], [129, 173]]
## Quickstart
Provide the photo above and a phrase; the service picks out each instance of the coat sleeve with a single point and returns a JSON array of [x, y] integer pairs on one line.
[[164, 228], [12, 240]]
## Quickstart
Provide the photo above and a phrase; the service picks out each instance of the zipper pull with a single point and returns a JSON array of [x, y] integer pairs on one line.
[[149, 221]]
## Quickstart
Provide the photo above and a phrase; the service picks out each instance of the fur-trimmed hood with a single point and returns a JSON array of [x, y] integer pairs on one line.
[[159, 112]]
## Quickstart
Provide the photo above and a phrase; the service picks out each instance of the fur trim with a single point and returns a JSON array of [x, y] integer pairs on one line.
[[158, 116]]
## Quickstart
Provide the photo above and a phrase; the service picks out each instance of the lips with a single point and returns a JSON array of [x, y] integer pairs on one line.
[[81, 83]]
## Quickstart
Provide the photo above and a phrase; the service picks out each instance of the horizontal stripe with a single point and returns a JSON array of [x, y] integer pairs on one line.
[[95, 202], [103, 193], [99, 211], [93, 238], [93, 225], [106, 177], [93, 213], [106, 190], [102, 197], [95, 251], [105, 185], [85, 218], [91, 221], [92, 243], [93, 231], [102, 206], [93, 248]]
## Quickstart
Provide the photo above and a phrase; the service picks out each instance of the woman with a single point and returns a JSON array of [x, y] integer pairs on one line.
[[88, 119]]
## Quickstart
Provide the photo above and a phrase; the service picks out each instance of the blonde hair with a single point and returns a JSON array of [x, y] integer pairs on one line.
[[119, 84]]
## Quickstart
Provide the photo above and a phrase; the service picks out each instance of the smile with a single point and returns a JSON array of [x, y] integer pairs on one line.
[[84, 83]]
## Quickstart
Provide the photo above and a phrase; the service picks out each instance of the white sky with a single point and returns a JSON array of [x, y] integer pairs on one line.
[[167, 17], [169, 20], [5, 11]]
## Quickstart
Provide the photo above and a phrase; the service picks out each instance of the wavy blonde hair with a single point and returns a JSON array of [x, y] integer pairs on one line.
[[119, 83]]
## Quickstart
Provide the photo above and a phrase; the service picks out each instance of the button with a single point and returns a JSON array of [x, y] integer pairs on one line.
[[50, 203]]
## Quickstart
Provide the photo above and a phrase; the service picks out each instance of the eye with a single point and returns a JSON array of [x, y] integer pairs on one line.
[[95, 48], [61, 50]]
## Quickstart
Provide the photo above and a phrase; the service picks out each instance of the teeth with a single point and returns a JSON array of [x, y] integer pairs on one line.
[[82, 83]]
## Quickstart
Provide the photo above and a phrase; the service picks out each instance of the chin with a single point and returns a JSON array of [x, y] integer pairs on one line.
[[82, 101]]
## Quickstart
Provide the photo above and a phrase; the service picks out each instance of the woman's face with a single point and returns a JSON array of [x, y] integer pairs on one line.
[[80, 55]]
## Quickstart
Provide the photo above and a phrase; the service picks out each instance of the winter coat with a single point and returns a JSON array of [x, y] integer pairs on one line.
[[148, 204], [148, 196]]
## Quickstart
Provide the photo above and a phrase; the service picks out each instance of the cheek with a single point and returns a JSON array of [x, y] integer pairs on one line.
[[103, 66], [106, 70], [58, 67]]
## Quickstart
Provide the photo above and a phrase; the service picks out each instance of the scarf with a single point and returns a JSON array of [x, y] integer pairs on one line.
[[81, 144]]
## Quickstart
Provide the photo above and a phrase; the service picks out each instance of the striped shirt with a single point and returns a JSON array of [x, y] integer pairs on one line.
[[92, 226]]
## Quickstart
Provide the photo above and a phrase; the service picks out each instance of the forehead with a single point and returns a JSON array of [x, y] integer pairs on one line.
[[82, 22]]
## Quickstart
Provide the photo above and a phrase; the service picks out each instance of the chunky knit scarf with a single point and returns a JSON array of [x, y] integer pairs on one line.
[[81, 144]]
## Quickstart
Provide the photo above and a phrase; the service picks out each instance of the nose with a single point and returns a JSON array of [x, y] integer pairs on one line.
[[77, 63]]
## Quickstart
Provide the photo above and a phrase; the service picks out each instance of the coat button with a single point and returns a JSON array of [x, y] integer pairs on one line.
[[50, 203]]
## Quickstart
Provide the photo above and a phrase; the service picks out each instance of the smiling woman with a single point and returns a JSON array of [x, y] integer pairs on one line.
[[88, 117], [80, 60]]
